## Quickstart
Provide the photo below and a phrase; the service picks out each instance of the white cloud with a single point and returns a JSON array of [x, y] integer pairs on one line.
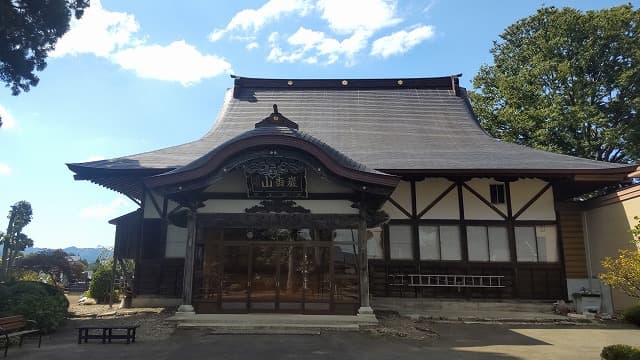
[[8, 122], [112, 35], [103, 211], [354, 22], [98, 32], [310, 45], [252, 20], [252, 45], [177, 61], [368, 15], [401, 41], [5, 170]]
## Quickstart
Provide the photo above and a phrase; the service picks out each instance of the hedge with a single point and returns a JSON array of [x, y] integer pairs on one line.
[[632, 314], [620, 352], [43, 303]]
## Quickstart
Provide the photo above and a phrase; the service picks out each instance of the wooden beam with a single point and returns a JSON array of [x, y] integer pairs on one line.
[[435, 201], [295, 220], [532, 200], [154, 202], [485, 201], [405, 212]]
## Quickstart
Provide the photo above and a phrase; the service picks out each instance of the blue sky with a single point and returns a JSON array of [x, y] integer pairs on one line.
[[134, 76]]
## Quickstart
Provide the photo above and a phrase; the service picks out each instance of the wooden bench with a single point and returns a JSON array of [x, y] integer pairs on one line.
[[18, 326], [105, 332]]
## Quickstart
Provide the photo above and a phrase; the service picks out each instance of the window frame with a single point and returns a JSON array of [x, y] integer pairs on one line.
[[535, 224], [486, 227], [497, 193], [439, 239]]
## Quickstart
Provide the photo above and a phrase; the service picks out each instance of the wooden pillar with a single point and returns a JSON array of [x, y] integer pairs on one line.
[[187, 283], [365, 305]]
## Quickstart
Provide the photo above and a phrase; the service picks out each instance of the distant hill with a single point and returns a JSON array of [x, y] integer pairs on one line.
[[89, 254]]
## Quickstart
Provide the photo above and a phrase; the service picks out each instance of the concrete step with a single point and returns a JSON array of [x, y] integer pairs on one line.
[[271, 323], [273, 328], [255, 319]]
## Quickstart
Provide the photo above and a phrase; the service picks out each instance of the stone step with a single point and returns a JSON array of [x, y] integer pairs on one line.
[[272, 328], [269, 319]]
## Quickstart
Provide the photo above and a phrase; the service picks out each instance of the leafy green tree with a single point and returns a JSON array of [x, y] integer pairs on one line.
[[54, 263], [566, 81], [14, 240], [29, 29]]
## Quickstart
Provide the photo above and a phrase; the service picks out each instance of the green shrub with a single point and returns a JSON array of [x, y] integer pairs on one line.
[[100, 283], [620, 352], [35, 301], [632, 314]]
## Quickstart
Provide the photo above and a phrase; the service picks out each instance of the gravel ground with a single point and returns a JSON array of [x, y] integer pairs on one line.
[[393, 325], [152, 320], [153, 325]]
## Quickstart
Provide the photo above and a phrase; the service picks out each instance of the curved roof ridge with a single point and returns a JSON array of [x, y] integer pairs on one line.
[[395, 127]]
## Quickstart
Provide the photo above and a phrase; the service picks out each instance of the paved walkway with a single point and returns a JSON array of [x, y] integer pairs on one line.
[[456, 341]]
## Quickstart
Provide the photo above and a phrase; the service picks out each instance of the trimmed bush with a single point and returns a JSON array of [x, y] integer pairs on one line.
[[620, 352], [100, 284], [35, 301], [632, 314]]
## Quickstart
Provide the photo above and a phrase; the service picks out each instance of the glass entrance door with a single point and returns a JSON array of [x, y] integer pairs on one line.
[[263, 291], [277, 270], [235, 278], [290, 279]]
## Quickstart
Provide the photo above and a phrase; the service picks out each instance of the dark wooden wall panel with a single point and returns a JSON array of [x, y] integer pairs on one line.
[[541, 281], [160, 277]]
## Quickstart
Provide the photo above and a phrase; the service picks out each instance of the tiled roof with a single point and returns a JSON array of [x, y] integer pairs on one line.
[[421, 124]]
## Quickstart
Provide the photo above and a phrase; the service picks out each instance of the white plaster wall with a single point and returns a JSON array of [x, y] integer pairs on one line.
[[428, 190], [393, 211], [176, 242], [150, 211], [316, 206], [523, 190], [402, 195], [171, 205], [474, 208]]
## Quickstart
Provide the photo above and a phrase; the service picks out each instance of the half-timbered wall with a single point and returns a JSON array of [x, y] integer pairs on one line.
[[160, 257], [447, 227]]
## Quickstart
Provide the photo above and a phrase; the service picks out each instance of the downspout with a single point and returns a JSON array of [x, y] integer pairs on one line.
[[587, 247]]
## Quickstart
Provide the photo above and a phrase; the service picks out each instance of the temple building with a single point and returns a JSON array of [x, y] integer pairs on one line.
[[315, 196]]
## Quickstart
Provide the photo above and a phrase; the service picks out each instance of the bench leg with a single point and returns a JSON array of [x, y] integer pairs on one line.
[[110, 335], [39, 339], [86, 335], [133, 338], [128, 336], [104, 335], [20, 342]]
